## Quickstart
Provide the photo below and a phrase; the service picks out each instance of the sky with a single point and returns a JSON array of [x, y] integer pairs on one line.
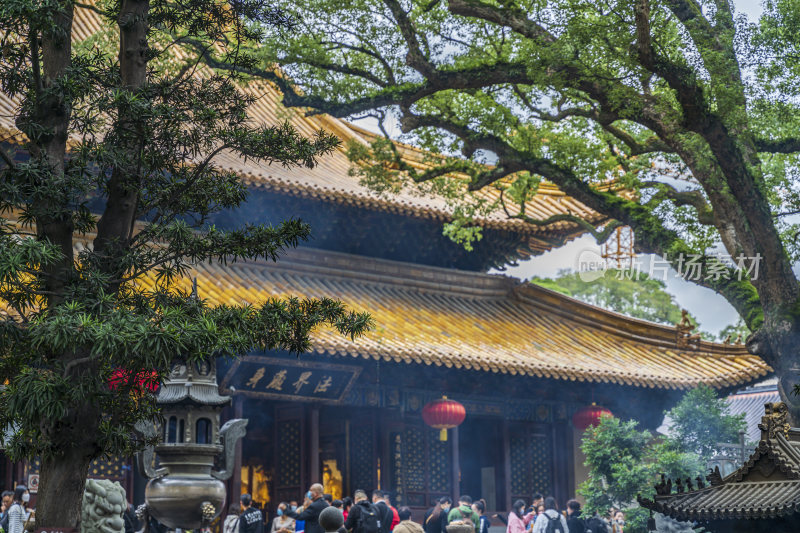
[[712, 311]]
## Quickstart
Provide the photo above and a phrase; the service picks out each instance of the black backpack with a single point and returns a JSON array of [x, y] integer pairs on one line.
[[369, 520], [554, 525], [595, 524]]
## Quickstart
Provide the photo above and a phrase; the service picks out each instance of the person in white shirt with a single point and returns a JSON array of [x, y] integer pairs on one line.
[[17, 515], [550, 514]]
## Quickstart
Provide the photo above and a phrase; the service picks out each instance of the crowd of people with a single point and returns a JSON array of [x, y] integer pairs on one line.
[[368, 513], [15, 515], [374, 513]]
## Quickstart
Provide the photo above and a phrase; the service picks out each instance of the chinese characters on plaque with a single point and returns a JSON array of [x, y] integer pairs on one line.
[[270, 377]]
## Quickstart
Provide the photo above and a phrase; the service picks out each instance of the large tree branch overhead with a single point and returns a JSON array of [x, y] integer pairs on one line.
[[645, 93]]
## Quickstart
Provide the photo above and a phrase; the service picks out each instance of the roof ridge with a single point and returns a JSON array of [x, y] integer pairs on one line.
[[309, 260], [612, 321]]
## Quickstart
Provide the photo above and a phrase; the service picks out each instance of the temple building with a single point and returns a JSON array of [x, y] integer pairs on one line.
[[520, 359], [762, 495]]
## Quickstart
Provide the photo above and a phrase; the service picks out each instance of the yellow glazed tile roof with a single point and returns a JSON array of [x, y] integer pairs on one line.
[[443, 317], [329, 180]]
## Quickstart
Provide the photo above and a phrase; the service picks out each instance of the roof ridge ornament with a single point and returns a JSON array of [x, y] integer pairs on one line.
[[683, 332], [714, 477], [767, 495], [775, 421]]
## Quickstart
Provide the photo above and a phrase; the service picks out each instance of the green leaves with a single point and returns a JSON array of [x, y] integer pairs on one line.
[[645, 112], [625, 462], [702, 420], [83, 296]]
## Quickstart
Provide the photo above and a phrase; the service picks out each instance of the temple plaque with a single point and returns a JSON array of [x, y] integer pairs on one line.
[[270, 377]]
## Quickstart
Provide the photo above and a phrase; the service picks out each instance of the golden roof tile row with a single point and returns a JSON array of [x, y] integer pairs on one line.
[[481, 322]]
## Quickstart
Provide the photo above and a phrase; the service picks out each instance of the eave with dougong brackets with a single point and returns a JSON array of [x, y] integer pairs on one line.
[[762, 495]]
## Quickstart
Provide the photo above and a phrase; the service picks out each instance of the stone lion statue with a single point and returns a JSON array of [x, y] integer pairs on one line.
[[103, 505]]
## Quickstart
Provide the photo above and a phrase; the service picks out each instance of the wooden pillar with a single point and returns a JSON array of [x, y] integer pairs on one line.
[[236, 478], [563, 474], [506, 465], [314, 446], [348, 485], [456, 467], [384, 454], [9, 481]]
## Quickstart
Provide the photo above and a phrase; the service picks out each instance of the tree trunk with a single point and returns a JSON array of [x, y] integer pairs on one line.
[[63, 477], [61, 489], [787, 369], [116, 224], [777, 342], [52, 115]]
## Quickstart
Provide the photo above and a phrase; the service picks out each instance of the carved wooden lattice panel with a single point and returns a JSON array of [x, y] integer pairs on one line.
[[439, 463], [289, 453], [362, 468], [531, 465], [520, 461], [414, 457], [541, 464]]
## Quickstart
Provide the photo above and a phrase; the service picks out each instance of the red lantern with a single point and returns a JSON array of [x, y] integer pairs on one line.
[[443, 414], [145, 380], [589, 416]]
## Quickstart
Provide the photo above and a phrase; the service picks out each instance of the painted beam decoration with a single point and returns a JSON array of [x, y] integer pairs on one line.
[[283, 379]]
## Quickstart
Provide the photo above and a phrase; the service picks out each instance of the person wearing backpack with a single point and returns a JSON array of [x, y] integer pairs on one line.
[[363, 517], [551, 521], [384, 511], [231, 523], [463, 514]]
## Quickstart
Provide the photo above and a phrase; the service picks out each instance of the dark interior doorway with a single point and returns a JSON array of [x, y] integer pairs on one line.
[[480, 449]]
